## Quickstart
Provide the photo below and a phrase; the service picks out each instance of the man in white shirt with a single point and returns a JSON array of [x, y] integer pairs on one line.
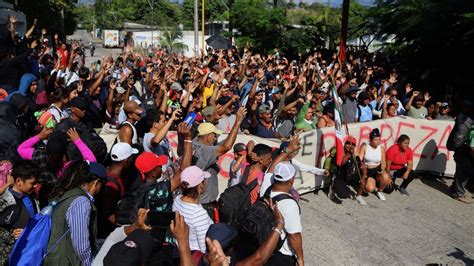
[[292, 250]]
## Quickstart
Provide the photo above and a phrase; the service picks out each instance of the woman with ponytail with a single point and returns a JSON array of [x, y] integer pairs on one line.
[[375, 177], [74, 228], [193, 183]]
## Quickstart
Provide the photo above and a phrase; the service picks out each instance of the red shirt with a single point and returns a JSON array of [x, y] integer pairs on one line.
[[398, 159], [255, 174]]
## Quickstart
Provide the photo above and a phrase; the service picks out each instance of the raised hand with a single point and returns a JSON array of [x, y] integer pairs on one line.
[[73, 135]]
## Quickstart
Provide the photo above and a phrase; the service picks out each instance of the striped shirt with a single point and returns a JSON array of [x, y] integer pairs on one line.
[[198, 221], [78, 219]]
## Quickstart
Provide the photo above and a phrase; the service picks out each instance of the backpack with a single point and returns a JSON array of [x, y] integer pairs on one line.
[[258, 222], [95, 143], [235, 200], [456, 138], [109, 134], [127, 207], [113, 183], [31, 246]]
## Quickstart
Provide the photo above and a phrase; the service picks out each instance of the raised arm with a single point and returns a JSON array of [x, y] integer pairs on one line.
[[230, 140], [187, 154], [87, 154], [27, 148]]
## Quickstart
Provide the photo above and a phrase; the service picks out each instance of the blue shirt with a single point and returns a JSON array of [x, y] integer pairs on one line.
[[364, 113]]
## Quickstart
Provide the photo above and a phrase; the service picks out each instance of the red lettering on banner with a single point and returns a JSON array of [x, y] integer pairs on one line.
[[222, 171], [364, 134], [432, 132], [323, 152], [400, 125], [173, 139], [446, 133], [383, 141]]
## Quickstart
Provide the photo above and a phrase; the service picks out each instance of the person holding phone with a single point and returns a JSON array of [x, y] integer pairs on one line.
[[374, 175]]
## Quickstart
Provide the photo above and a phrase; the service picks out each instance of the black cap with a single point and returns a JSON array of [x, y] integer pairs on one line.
[[223, 233], [79, 102], [57, 143], [132, 251]]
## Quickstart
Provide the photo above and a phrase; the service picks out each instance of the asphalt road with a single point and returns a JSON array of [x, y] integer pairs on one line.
[[426, 228], [99, 51]]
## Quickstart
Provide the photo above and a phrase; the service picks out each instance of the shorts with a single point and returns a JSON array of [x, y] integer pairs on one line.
[[374, 172]]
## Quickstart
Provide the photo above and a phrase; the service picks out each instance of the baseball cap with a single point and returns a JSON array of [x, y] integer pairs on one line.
[[262, 109], [133, 250], [120, 90], [176, 86], [239, 147], [284, 171], [193, 175], [350, 139], [352, 89], [444, 105], [148, 161], [325, 87], [208, 128], [79, 102], [208, 111], [122, 151], [98, 170]]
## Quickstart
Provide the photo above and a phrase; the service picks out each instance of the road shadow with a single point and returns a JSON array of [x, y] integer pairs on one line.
[[436, 182], [432, 160], [461, 255]]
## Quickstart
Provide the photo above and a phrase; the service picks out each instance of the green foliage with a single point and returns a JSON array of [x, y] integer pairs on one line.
[[258, 24], [171, 38], [431, 38]]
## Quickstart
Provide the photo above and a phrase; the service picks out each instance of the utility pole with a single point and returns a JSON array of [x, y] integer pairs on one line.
[[152, 5], [196, 23], [344, 29], [202, 26]]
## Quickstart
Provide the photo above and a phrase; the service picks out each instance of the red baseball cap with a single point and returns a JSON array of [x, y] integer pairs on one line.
[[148, 161], [350, 139]]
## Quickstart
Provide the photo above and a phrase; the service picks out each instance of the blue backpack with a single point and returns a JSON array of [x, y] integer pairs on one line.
[[30, 248]]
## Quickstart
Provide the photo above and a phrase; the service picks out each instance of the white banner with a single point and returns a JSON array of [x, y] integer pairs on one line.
[[427, 140]]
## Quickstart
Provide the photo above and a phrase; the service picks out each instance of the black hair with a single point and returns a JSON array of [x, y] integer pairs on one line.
[[153, 116], [58, 94], [83, 72], [24, 170], [402, 138], [187, 191], [262, 149], [329, 108], [375, 133], [75, 175]]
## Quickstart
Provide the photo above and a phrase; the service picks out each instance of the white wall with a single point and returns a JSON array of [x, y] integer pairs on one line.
[[143, 39]]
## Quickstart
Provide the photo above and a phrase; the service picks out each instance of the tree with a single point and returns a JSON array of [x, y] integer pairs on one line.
[[431, 40], [258, 23], [171, 38]]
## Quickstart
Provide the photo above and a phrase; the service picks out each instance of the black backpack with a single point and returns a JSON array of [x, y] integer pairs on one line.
[[127, 207], [258, 222], [235, 200]]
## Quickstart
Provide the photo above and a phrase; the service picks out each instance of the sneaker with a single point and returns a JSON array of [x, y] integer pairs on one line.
[[403, 190], [464, 199], [332, 196], [380, 195], [361, 200]]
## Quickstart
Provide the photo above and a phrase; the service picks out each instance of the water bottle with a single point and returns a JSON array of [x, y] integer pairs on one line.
[[48, 210]]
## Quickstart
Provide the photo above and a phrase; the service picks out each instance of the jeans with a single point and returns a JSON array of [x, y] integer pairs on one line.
[[464, 170]]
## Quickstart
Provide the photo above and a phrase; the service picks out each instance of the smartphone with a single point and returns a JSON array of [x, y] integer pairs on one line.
[[160, 219], [190, 119]]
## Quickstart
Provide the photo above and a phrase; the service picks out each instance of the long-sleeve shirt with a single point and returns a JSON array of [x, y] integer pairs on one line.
[[78, 219], [27, 148], [116, 236], [301, 122]]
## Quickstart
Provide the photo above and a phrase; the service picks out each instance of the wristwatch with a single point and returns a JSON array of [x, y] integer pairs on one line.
[[277, 230]]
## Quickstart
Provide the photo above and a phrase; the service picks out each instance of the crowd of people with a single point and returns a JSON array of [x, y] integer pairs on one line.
[[94, 140]]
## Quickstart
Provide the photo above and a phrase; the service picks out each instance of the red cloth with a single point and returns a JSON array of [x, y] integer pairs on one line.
[[398, 159], [64, 57]]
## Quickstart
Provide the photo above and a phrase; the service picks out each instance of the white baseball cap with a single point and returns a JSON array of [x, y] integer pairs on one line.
[[122, 151], [284, 171]]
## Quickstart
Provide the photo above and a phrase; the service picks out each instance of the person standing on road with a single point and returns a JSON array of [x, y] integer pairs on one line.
[[461, 140]]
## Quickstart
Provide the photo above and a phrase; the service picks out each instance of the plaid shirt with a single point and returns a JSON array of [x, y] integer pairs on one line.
[[40, 159]]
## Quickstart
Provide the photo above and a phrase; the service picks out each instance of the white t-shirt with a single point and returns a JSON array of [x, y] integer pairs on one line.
[[197, 220], [291, 213]]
